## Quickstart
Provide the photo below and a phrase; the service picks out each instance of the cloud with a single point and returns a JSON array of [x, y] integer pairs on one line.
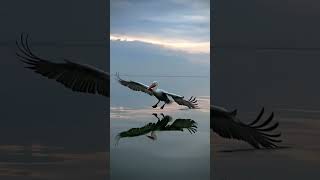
[[176, 18], [176, 44]]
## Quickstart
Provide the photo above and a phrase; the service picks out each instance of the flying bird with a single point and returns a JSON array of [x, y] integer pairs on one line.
[[160, 94], [226, 124], [75, 76]]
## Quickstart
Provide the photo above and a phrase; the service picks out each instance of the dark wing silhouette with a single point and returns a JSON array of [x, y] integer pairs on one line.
[[191, 103], [133, 132], [136, 86], [78, 77], [150, 127], [161, 125], [226, 124]]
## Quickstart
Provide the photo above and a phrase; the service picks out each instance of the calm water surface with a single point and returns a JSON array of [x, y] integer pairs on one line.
[[173, 154]]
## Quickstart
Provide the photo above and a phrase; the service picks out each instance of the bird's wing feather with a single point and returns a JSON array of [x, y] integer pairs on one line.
[[133, 85], [225, 124], [78, 77], [191, 103]]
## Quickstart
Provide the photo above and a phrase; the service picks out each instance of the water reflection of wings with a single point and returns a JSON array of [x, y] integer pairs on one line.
[[161, 125], [180, 124]]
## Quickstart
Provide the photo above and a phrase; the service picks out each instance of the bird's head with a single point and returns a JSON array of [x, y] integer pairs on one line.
[[153, 85]]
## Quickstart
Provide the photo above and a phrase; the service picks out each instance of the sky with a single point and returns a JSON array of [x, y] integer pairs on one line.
[[174, 24]]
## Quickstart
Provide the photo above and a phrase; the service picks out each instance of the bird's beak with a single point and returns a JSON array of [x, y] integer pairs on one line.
[[151, 86]]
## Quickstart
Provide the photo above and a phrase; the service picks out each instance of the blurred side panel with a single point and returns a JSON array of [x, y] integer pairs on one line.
[[48, 131]]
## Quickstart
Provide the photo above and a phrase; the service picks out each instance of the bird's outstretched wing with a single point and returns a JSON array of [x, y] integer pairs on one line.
[[136, 86], [191, 103], [78, 77], [225, 124]]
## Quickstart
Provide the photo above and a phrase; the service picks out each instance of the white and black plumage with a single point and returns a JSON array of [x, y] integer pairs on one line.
[[226, 124], [78, 77], [160, 94]]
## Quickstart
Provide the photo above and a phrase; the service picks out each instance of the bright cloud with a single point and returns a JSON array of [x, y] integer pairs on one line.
[[176, 44]]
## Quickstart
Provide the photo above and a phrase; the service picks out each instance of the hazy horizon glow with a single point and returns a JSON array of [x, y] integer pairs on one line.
[[175, 44]]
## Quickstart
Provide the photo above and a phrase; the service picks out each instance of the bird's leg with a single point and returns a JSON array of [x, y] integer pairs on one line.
[[154, 106], [162, 115], [156, 115], [163, 105]]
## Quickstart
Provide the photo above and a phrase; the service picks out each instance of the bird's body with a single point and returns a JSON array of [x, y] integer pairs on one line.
[[160, 95]]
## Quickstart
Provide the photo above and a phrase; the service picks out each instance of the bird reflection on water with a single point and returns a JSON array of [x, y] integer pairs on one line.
[[161, 125]]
